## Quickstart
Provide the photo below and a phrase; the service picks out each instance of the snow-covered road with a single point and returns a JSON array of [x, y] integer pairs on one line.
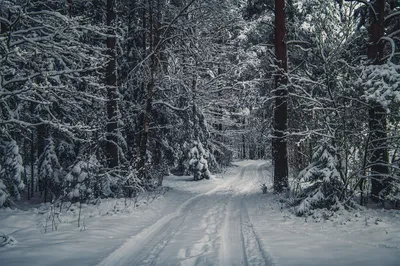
[[222, 221], [211, 228]]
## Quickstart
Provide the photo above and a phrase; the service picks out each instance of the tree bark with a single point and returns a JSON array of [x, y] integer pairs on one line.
[[112, 91], [32, 153], [279, 142], [42, 135], [377, 114], [143, 147], [244, 139]]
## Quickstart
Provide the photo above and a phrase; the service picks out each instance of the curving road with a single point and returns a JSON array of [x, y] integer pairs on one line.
[[211, 228]]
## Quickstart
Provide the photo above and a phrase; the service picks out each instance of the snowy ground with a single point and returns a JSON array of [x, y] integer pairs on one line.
[[224, 221]]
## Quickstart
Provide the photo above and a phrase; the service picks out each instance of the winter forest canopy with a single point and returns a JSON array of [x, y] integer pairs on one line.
[[104, 98]]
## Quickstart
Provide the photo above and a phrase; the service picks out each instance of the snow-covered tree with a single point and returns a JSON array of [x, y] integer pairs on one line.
[[198, 163], [50, 171], [320, 185], [11, 173], [81, 182]]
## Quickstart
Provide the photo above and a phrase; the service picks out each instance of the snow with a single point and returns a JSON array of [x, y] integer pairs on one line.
[[222, 221], [347, 240]]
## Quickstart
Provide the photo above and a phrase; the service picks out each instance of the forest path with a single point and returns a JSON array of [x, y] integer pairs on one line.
[[210, 228]]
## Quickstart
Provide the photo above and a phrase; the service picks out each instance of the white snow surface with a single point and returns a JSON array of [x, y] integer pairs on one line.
[[222, 221]]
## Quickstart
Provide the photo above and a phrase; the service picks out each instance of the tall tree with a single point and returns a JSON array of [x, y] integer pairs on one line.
[[377, 113], [279, 142], [153, 38], [112, 89]]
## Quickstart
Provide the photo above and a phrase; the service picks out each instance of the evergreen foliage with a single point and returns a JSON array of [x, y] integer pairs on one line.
[[11, 174], [320, 185]]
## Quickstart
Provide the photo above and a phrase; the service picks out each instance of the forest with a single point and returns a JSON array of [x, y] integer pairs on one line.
[[102, 99], [200, 132]]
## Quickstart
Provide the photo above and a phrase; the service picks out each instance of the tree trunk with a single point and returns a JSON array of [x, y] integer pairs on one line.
[[279, 142], [146, 123], [3, 25], [243, 147], [42, 135], [196, 126], [112, 91], [149, 101], [244, 139], [377, 114], [32, 187], [70, 4]]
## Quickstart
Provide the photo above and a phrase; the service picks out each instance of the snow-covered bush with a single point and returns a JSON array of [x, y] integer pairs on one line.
[[3, 193], [126, 182], [11, 172], [89, 180], [198, 162], [320, 185], [393, 195], [81, 180]]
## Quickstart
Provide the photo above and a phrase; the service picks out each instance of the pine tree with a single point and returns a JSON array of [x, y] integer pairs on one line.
[[320, 185], [198, 162], [50, 171]]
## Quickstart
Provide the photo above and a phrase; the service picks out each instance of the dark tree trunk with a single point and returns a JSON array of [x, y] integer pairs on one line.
[[32, 187], [194, 109], [3, 26], [243, 147], [70, 5], [112, 91], [149, 101], [252, 150], [32, 148], [244, 154], [42, 135], [279, 142], [377, 114]]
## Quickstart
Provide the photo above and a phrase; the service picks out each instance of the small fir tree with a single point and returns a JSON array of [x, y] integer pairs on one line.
[[50, 170], [320, 185], [198, 162], [11, 172]]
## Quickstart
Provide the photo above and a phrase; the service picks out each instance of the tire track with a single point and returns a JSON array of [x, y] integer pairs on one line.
[[240, 243], [256, 254], [232, 251], [200, 253], [143, 249]]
